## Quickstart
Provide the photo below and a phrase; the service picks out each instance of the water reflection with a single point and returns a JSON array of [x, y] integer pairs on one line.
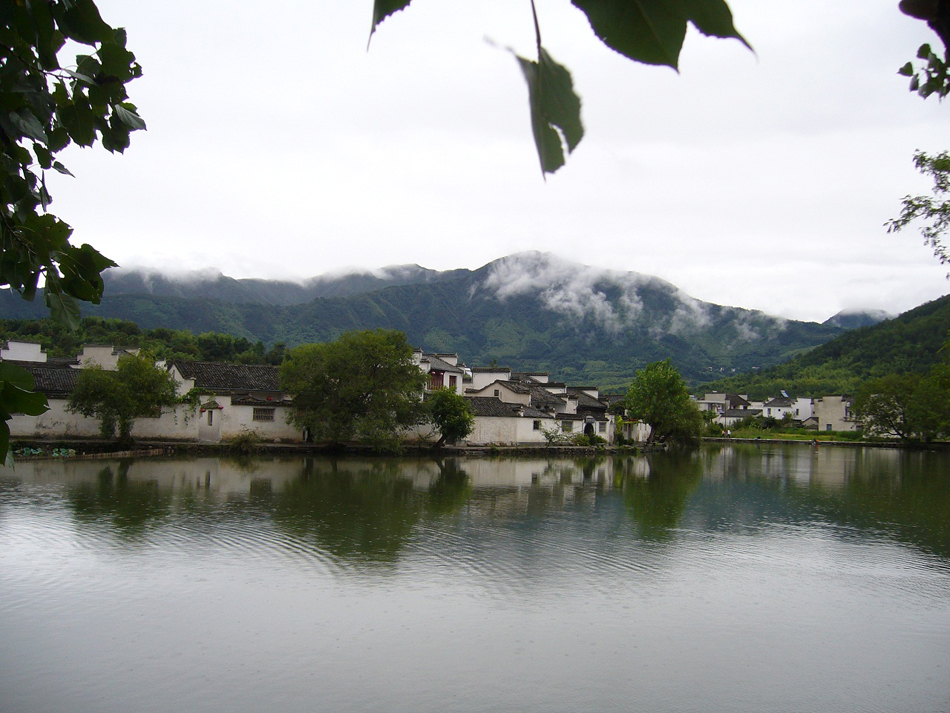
[[735, 578], [368, 510]]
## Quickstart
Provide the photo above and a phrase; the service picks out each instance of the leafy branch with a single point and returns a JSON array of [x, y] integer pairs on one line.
[[646, 31]]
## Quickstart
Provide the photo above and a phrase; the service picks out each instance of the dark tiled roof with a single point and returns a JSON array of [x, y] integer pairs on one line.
[[543, 399], [781, 401], [54, 380], [586, 401], [742, 413], [221, 377], [486, 369], [436, 364], [493, 406]]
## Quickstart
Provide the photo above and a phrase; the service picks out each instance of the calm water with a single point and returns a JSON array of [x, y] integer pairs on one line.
[[734, 579]]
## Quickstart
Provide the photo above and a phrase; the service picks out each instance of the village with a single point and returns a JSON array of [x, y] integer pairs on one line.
[[510, 408]]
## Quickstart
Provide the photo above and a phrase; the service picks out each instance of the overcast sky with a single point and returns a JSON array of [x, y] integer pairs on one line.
[[278, 146]]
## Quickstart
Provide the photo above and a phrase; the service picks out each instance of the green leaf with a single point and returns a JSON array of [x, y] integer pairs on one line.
[[80, 20], [16, 375], [711, 17], [86, 79], [383, 9], [649, 31], [129, 117], [907, 70], [16, 392], [28, 124], [57, 166], [63, 308], [555, 110], [652, 31], [79, 121], [5, 453]]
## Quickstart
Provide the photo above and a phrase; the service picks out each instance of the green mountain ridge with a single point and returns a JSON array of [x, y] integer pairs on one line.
[[531, 311]]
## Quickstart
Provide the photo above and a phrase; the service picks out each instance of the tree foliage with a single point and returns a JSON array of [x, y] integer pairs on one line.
[[658, 396], [364, 387], [932, 210], [647, 31], [906, 406], [136, 389], [45, 107], [452, 415]]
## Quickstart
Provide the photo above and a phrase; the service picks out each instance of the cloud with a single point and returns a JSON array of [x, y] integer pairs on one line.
[[576, 291]]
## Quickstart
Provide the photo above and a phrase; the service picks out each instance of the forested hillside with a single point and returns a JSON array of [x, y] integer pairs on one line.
[[911, 343]]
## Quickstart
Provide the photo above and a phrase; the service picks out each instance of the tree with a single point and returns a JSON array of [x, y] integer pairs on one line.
[[364, 386], [137, 388], [906, 406], [658, 396], [45, 107], [933, 210], [452, 415]]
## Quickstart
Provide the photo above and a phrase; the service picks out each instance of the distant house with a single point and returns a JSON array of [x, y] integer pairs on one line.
[[104, 355], [834, 413], [720, 403], [507, 424], [569, 410], [444, 370], [235, 398], [798, 408]]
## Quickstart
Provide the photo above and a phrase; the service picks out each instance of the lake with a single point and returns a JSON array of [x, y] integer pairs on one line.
[[734, 578]]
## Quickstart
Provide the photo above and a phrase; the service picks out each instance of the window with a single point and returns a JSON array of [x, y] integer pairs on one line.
[[452, 381], [263, 414], [567, 426], [602, 427], [210, 417], [827, 426], [536, 426], [496, 392]]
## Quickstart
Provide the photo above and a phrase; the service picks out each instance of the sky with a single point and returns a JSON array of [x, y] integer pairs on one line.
[[279, 146]]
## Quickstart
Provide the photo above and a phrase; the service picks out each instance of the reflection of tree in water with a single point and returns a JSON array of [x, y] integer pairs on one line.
[[657, 502], [128, 505], [450, 491], [907, 497], [364, 514], [904, 493]]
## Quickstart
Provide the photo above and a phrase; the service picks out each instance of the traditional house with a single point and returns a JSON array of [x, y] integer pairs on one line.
[[502, 423], [444, 370], [834, 413], [236, 398]]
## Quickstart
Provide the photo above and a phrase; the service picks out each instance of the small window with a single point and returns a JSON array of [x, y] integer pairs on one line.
[[567, 426], [536, 426], [453, 380], [828, 427], [263, 414], [496, 392], [602, 427], [210, 417]]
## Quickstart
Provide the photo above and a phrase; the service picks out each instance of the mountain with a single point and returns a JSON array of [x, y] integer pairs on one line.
[[530, 311], [211, 285], [912, 342], [848, 319]]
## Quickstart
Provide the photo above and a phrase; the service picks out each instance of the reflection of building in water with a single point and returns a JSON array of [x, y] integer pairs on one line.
[[802, 464]]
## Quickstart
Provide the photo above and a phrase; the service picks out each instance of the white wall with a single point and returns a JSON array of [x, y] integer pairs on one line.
[[507, 430], [22, 351]]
